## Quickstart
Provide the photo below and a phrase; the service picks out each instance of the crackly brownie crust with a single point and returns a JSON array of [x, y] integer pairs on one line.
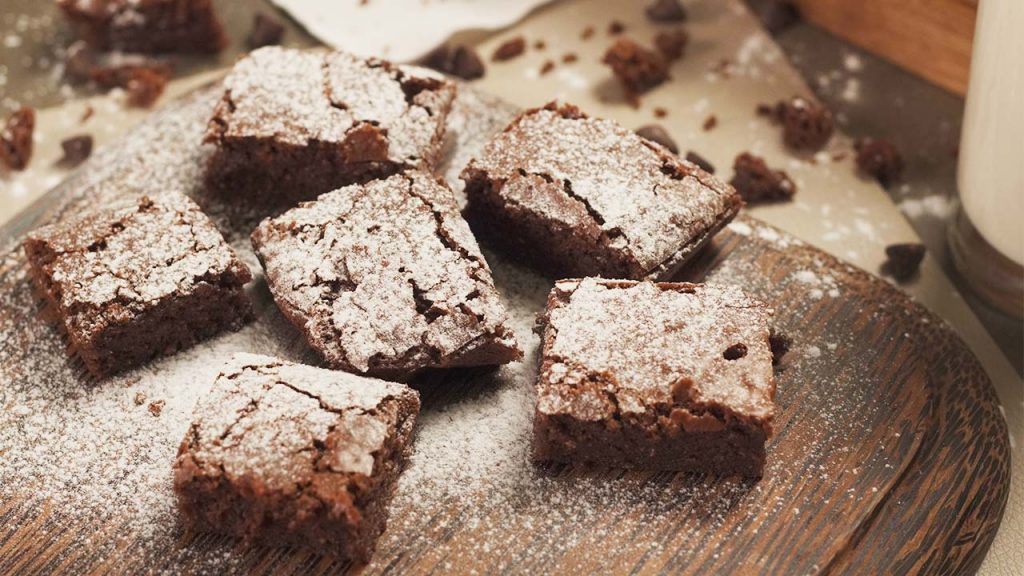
[[292, 124], [580, 196], [148, 26], [669, 376], [286, 454], [134, 283], [385, 279]]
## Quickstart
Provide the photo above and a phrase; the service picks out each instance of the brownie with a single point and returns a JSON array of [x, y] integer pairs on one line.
[[294, 124], [581, 196], [384, 278], [756, 182], [287, 454], [637, 68], [668, 376], [133, 283], [806, 125], [149, 26], [879, 159], [16, 139]]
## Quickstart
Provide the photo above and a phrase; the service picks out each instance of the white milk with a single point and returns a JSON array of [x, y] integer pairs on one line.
[[991, 169]]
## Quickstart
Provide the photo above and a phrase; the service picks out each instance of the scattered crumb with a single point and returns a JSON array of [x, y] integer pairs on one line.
[[660, 112], [540, 45], [547, 67], [666, 11], [266, 31], [76, 150], [615, 28], [755, 182], [903, 260], [587, 33], [569, 58], [156, 407], [509, 49], [806, 125], [16, 139], [672, 45], [87, 113], [710, 123], [637, 68], [459, 61], [879, 159]]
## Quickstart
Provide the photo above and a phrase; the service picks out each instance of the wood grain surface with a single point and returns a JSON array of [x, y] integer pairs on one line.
[[890, 455]]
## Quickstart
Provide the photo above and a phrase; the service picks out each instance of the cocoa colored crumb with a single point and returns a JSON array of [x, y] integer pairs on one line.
[[660, 112], [710, 123], [143, 83], [656, 133], [79, 60], [806, 125], [672, 44], [838, 156], [460, 61], [879, 159], [87, 113], [587, 33], [699, 160], [569, 58], [509, 49], [778, 15], [16, 139], [540, 45], [666, 11], [156, 407], [76, 150], [266, 31], [140, 398], [755, 182], [780, 344], [637, 68], [615, 28], [548, 66], [903, 260]]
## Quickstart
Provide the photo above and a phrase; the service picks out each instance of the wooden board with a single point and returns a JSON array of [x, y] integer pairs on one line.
[[890, 453]]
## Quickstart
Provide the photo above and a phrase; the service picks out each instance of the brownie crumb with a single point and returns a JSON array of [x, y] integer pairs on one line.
[[879, 159], [509, 49], [615, 28], [778, 15], [904, 260], [672, 45], [666, 11], [587, 33], [569, 58], [540, 45], [86, 114], [755, 182], [79, 60], [838, 156], [806, 125], [699, 160], [16, 139], [460, 61], [548, 66], [710, 123], [656, 133], [780, 344], [76, 150], [156, 407], [636, 67], [266, 31], [660, 112], [140, 398], [143, 83]]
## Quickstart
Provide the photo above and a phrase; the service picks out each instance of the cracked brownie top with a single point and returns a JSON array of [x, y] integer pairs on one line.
[[112, 265], [373, 110], [613, 348], [291, 426], [385, 278], [630, 195]]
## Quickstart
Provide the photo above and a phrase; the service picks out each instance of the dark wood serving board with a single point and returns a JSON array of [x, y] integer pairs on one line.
[[890, 454]]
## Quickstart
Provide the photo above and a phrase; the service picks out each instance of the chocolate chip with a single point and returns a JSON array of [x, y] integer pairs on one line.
[[76, 150], [806, 125], [569, 58], [460, 61], [548, 66], [666, 11], [880, 159], [509, 49], [266, 31], [672, 45], [16, 139], [656, 133], [587, 33], [778, 15], [615, 28], [540, 45], [660, 112], [780, 344], [755, 182], [699, 160], [904, 260]]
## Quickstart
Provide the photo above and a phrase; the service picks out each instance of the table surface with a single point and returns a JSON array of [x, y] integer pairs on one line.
[[869, 96]]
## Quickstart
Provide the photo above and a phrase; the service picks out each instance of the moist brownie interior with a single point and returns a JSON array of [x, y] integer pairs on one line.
[[384, 278], [581, 196], [667, 376]]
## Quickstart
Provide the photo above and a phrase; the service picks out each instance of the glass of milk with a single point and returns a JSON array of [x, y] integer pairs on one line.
[[987, 235]]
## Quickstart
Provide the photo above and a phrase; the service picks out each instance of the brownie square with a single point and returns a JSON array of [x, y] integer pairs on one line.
[[286, 454], [655, 376], [133, 283], [292, 124], [580, 196], [384, 278], [149, 26]]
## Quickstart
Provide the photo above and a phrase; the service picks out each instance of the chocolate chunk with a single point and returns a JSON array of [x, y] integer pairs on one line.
[[778, 15], [266, 31], [806, 125], [637, 68], [666, 11], [699, 160], [509, 49], [16, 139], [460, 61], [548, 66], [903, 260], [755, 182], [710, 123], [76, 150], [672, 45], [615, 28], [780, 344], [880, 159], [656, 133]]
